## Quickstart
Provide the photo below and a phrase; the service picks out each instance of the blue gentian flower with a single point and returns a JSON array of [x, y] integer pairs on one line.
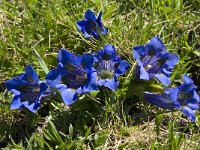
[[92, 26], [188, 97], [74, 75], [28, 90], [184, 98], [167, 99], [109, 66], [153, 61]]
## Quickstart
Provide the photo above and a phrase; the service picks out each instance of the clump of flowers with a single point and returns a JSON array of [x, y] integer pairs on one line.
[[80, 74], [92, 26], [184, 98]]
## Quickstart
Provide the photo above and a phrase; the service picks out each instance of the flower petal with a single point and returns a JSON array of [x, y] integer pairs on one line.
[[187, 79], [174, 94], [33, 105], [91, 84], [16, 92], [65, 57], [69, 96], [143, 74], [54, 76], [155, 45], [193, 106], [189, 113], [99, 22], [109, 83], [110, 52], [87, 35], [171, 59], [122, 67], [166, 70], [90, 15], [81, 25], [31, 74], [188, 85], [163, 78], [104, 30], [87, 61], [84, 27], [196, 96], [139, 51], [14, 82], [16, 102], [60, 87], [43, 87], [77, 60]]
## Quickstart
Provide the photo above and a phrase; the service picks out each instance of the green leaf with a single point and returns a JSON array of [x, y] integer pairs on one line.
[[197, 53], [158, 122], [52, 134], [70, 131], [41, 61], [93, 94], [100, 138], [197, 64]]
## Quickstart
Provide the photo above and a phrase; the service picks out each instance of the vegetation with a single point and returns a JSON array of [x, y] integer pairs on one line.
[[35, 29]]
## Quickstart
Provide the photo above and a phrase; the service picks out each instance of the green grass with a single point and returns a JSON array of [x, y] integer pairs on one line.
[[111, 121]]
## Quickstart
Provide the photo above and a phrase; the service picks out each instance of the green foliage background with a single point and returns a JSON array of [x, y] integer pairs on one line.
[[115, 120]]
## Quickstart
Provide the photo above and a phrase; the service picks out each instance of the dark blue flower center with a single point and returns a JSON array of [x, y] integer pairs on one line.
[[105, 69], [183, 97], [153, 64], [75, 76], [95, 27], [29, 92]]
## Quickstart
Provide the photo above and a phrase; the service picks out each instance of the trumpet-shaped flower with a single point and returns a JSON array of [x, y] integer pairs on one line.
[[92, 26], [109, 66], [153, 61], [167, 99], [27, 89], [74, 75], [188, 97], [184, 98]]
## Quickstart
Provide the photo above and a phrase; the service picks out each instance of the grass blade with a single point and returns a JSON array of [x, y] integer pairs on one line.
[[41, 62]]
